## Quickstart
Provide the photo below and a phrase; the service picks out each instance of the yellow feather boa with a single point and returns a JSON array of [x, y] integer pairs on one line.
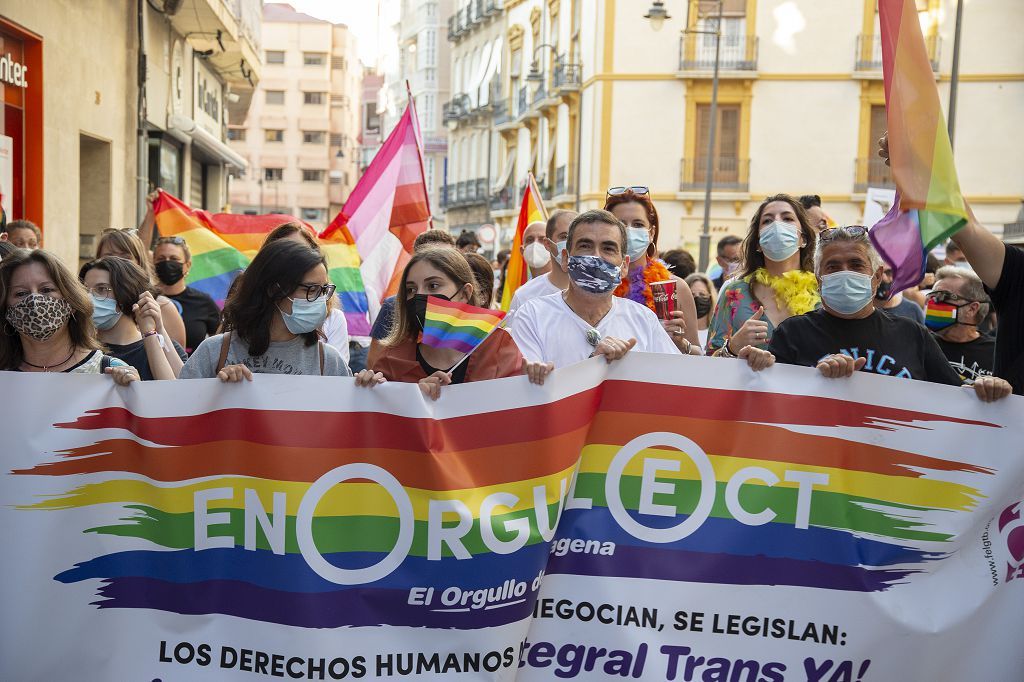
[[796, 289]]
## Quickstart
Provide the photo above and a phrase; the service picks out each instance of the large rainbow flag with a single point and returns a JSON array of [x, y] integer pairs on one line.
[[222, 244], [929, 206], [389, 207], [531, 210]]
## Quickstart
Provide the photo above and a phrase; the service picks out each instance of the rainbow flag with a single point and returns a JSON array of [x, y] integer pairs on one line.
[[929, 206], [460, 326], [939, 315], [531, 209], [389, 207], [222, 245]]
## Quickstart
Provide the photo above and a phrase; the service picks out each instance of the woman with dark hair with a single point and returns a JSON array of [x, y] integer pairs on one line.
[[274, 317], [442, 272], [484, 274], [125, 243], [633, 206], [127, 317], [775, 281], [703, 290], [47, 320]]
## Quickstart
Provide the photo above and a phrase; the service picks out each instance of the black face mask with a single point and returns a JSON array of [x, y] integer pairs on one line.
[[170, 271], [883, 291], [416, 307], [703, 304]]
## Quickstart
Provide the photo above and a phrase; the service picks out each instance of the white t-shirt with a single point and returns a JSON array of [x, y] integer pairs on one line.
[[535, 288], [547, 330], [335, 328]]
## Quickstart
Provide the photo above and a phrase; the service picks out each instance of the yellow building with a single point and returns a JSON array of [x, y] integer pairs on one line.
[[800, 105]]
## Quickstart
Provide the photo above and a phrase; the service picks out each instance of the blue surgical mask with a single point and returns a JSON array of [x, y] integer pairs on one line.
[[104, 313], [306, 316], [594, 274], [560, 247], [846, 292], [637, 241], [779, 241]]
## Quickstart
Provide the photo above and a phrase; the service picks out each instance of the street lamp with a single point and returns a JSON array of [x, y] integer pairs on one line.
[[536, 75], [657, 15]]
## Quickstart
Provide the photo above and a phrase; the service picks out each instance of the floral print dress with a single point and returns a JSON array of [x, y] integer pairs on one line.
[[736, 305]]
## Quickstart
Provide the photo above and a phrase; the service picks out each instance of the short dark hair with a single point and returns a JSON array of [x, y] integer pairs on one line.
[[808, 200], [953, 246], [680, 262], [433, 238], [727, 241], [22, 224], [127, 280], [596, 215], [549, 229], [467, 238], [274, 273]]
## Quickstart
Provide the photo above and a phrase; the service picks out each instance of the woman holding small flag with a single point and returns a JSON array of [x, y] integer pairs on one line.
[[440, 336]]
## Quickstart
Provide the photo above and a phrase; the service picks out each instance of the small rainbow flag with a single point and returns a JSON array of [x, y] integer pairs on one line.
[[530, 211], [222, 245], [939, 315], [929, 205], [460, 326]]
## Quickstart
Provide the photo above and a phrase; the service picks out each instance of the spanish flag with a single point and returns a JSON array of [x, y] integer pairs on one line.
[[530, 211]]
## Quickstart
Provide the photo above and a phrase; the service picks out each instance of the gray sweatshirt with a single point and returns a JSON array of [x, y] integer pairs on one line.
[[282, 357]]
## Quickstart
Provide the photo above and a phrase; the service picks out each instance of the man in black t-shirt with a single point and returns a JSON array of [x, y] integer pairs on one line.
[[848, 334], [954, 308], [1001, 268]]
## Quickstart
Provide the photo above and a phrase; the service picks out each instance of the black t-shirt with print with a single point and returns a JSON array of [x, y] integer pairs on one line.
[[971, 360], [200, 314], [893, 346], [135, 355], [1008, 299]]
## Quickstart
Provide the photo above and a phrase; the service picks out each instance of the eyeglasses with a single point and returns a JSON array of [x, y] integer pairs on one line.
[[315, 291], [852, 231], [948, 297], [127, 230], [635, 189], [179, 241], [102, 292]]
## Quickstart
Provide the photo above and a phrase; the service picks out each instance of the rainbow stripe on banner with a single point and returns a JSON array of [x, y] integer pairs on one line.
[[222, 245], [349, 491], [459, 326]]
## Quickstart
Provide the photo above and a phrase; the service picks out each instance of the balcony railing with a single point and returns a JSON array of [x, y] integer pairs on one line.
[[472, 14], [566, 77], [465, 193], [737, 53], [561, 186], [524, 99], [502, 111], [540, 94], [505, 199], [869, 52], [457, 108], [728, 173], [872, 173]]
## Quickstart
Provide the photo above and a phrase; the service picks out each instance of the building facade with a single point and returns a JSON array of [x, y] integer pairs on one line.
[[370, 137], [81, 142], [422, 61], [800, 106], [299, 138]]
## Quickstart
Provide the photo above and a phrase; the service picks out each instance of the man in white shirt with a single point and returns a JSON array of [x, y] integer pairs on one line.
[[555, 232], [587, 319]]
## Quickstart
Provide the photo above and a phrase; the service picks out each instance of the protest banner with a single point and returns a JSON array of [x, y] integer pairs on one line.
[[648, 519]]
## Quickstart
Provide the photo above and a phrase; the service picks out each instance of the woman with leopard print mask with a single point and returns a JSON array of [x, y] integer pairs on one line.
[[47, 321]]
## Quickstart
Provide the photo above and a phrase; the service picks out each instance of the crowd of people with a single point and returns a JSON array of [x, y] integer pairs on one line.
[[792, 290]]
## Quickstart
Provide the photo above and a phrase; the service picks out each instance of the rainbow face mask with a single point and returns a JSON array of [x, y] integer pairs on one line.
[[939, 315]]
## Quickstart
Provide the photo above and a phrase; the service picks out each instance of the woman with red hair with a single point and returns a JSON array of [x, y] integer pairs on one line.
[[633, 206]]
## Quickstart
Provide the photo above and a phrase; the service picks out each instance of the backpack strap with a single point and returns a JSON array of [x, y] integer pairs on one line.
[[320, 345], [225, 345], [104, 363]]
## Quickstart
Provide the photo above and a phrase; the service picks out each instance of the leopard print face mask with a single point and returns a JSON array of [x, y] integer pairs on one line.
[[39, 316]]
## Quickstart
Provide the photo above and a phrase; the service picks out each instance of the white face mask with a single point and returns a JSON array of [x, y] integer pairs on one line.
[[536, 255]]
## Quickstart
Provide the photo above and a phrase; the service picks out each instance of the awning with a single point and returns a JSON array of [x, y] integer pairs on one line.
[[503, 178], [185, 129]]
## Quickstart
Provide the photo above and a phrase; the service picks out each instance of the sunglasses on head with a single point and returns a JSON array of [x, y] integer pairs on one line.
[[635, 189], [180, 241], [126, 230], [854, 231]]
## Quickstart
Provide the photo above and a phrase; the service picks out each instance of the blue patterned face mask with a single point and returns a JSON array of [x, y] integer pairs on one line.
[[594, 274]]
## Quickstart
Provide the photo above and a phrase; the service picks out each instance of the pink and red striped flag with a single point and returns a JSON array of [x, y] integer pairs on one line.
[[388, 208], [929, 206]]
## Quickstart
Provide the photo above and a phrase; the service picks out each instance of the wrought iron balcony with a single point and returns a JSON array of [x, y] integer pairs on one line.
[[505, 199], [456, 109], [560, 181], [728, 173], [502, 111], [566, 77], [869, 52], [524, 100], [465, 193], [872, 173], [737, 53]]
